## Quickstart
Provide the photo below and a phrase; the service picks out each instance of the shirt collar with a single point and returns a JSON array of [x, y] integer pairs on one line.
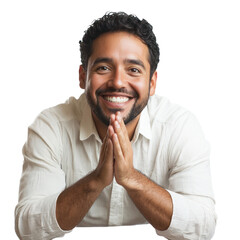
[[87, 125], [143, 126]]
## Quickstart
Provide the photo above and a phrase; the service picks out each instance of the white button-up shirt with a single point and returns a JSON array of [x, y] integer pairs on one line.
[[168, 145]]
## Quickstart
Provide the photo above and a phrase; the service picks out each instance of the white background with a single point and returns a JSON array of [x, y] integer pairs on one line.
[[199, 69]]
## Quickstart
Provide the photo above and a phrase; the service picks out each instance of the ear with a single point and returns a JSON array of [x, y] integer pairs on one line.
[[82, 77], [153, 84]]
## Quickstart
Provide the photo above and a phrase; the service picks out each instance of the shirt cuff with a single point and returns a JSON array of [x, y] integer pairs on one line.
[[179, 218], [55, 228]]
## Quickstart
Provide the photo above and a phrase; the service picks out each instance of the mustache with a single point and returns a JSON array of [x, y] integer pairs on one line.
[[113, 90]]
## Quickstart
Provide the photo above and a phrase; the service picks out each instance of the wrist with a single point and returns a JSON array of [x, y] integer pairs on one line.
[[132, 181], [94, 182], [100, 180]]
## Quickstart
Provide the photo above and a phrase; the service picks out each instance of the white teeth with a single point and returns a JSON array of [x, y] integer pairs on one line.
[[116, 99]]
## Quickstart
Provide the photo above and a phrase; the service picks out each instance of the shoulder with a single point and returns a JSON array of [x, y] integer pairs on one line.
[[162, 110], [64, 112], [57, 118]]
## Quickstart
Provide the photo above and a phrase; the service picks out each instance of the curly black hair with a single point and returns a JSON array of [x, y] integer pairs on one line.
[[120, 21]]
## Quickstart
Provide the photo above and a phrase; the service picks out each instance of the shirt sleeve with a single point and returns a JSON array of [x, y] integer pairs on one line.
[[41, 182], [190, 182]]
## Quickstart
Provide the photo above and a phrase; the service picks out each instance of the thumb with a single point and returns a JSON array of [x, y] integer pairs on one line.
[[109, 152]]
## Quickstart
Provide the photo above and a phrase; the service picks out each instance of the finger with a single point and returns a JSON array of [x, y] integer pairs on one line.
[[109, 152], [117, 151], [112, 119], [121, 122], [122, 138], [103, 147], [110, 131]]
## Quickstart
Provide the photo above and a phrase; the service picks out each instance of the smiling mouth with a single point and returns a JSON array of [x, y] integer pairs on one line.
[[115, 99]]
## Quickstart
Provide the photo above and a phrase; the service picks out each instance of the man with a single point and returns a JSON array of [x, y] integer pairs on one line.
[[119, 155]]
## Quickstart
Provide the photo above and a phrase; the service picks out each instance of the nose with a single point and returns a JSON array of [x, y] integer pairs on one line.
[[117, 80]]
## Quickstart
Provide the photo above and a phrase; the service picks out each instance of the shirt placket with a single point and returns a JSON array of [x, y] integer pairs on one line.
[[116, 205]]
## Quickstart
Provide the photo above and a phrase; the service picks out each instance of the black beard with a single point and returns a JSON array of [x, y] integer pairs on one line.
[[134, 112]]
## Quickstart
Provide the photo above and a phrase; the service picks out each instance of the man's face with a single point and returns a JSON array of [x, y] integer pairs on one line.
[[118, 76]]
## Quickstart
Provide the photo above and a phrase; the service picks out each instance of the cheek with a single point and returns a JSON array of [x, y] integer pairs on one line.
[[141, 87], [93, 84]]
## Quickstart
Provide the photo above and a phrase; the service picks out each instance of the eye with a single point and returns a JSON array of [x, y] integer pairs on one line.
[[134, 71], [102, 69]]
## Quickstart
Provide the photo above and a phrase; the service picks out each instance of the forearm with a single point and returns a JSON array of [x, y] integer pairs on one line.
[[74, 202], [153, 202]]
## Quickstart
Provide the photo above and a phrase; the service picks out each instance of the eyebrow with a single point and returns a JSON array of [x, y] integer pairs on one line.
[[102, 59], [110, 60], [135, 62]]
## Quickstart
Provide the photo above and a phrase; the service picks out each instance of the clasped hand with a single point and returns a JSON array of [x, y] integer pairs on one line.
[[116, 157]]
